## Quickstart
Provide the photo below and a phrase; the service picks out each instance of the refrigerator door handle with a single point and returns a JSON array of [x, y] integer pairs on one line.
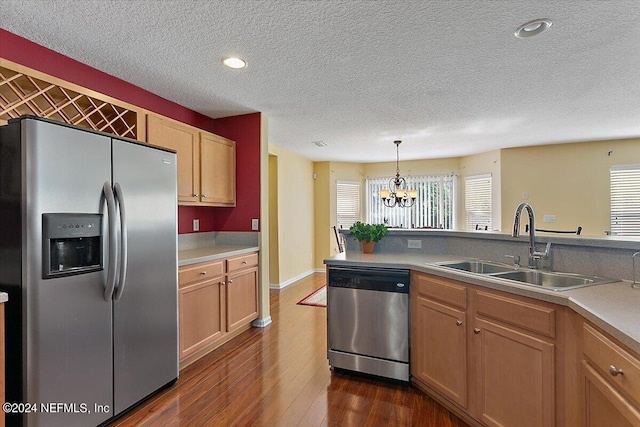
[[113, 242], [123, 242]]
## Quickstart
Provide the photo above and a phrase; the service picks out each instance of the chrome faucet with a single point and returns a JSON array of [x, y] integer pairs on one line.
[[534, 254]]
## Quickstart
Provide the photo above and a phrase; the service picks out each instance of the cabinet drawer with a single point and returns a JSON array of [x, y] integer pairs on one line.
[[605, 355], [200, 272], [241, 262], [532, 317], [441, 289]]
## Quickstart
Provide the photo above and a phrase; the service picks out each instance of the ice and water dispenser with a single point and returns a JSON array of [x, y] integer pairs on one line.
[[72, 244]]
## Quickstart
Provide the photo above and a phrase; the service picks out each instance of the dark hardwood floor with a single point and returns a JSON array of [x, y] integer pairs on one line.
[[279, 376]]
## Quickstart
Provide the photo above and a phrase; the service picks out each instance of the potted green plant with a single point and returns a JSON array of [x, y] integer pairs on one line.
[[368, 235]]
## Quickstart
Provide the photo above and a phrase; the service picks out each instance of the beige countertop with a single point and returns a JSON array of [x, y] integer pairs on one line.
[[4, 297], [212, 253], [614, 307]]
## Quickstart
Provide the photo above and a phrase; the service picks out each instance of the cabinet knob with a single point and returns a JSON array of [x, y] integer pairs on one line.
[[615, 371], [244, 262], [459, 322], [223, 283], [476, 330], [203, 273], [195, 194], [230, 281], [204, 196]]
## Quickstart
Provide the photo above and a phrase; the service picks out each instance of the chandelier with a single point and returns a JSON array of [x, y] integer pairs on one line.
[[398, 194]]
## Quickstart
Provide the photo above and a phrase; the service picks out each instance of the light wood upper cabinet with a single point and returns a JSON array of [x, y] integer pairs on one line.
[[184, 140], [217, 170], [206, 162]]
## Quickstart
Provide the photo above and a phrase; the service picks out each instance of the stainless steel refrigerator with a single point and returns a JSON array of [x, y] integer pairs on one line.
[[88, 256]]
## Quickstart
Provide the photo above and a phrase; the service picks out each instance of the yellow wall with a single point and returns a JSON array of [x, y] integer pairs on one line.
[[570, 181], [274, 248], [327, 175], [295, 214], [480, 164], [414, 167], [322, 212]]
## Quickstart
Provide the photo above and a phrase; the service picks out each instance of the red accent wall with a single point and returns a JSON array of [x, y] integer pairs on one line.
[[25, 52], [245, 129]]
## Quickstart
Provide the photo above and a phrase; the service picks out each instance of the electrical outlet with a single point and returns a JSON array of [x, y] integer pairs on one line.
[[255, 224], [196, 225], [414, 244], [549, 218]]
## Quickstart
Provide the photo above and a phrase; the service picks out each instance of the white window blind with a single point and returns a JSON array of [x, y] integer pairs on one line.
[[477, 202], [625, 200], [434, 206], [348, 203]]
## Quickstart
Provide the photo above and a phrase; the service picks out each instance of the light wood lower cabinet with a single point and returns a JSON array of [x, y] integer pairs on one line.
[[491, 355], [440, 326], [611, 381], [217, 301], [514, 376]]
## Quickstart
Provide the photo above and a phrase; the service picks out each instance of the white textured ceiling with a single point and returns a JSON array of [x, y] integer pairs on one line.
[[447, 77]]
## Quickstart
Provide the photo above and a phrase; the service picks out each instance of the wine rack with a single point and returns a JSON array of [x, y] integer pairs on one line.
[[22, 94]]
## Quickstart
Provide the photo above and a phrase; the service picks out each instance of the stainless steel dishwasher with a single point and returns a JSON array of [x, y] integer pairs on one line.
[[368, 321]]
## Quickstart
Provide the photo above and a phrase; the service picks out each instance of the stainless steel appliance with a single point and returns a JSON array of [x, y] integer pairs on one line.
[[88, 257], [368, 321]]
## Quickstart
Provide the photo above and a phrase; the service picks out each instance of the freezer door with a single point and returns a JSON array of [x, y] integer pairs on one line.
[[67, 328], [146, 313]]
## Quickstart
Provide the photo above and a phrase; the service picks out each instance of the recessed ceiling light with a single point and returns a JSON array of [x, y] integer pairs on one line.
[[235, 63], [319, 143], [533, 28]]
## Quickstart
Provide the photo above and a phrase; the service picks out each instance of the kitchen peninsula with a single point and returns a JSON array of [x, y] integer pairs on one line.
[[501, 353]]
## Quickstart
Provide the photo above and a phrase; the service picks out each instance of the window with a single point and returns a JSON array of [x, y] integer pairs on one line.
[[434, 206], [348, 194], [625, 200], [477, 202]]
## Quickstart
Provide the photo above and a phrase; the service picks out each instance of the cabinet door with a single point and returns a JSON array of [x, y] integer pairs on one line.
[[514, 377], [201, 315], [242, 298], [217, 170], [439, 348], [184, 141], [604, 406]]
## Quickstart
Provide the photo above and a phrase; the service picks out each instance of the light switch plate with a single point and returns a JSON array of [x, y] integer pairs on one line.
[[255, 224], [414, 244], [196, 225]]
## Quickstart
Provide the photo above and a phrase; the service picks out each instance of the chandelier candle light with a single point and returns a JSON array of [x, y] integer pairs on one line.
[[398, 194]]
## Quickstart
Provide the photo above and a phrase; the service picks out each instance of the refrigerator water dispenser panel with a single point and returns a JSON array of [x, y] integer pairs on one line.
[[71, 244]]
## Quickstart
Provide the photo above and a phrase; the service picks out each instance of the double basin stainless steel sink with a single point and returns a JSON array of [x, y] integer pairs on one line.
[[545, 279]]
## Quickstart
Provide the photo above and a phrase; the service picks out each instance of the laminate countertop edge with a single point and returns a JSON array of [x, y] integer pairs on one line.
[[614, 307], [212, 253], [4, 297]]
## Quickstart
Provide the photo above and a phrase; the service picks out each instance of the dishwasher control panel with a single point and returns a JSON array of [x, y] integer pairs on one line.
[[383, 280]]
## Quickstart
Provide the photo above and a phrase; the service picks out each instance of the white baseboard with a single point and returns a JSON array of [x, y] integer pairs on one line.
[[292, 280], [320, 270], [261, 323]]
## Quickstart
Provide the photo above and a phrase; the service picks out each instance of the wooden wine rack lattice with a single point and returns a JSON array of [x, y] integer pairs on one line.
[[21, 94]]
